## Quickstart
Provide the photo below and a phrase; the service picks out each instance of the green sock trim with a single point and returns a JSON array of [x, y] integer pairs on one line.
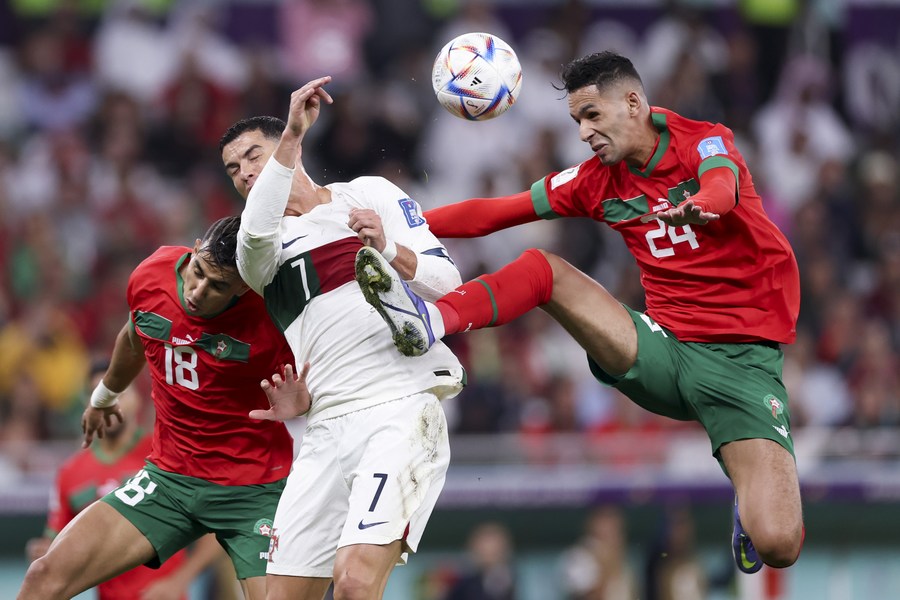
[[493, 302]]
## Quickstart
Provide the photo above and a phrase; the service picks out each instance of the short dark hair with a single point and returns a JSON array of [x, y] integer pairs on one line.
[[271, 127], [601, 69], [219, 243]]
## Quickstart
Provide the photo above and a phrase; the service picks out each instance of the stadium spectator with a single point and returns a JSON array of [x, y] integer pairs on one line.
[[491, 574], [596, 567]]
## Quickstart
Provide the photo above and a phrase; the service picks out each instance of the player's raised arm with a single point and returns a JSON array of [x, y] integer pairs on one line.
[[126, 363], [268, 193], [480, 216]]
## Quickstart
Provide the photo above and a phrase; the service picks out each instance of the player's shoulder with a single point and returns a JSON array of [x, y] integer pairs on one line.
[[154, 270], [680, 125], [375, 188], [163, 257]]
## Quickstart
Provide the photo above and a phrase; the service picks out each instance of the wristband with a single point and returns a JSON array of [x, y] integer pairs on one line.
[[390, 251], [103, 397]]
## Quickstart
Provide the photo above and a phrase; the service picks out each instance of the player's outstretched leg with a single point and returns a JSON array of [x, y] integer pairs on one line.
[[745, 555], [403, 311]]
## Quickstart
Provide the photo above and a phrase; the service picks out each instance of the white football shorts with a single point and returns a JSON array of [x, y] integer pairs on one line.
[[368, 477]]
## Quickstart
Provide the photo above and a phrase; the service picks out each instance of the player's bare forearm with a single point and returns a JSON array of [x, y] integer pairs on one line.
[[127, 360]]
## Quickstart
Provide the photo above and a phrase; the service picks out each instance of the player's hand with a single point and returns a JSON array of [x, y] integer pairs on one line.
[[288, 396], [305, 105], [167, 588], [367, 225], [94, 421], [686, 213]]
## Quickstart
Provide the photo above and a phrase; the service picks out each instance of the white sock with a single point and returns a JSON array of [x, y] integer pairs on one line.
[[437, 320]]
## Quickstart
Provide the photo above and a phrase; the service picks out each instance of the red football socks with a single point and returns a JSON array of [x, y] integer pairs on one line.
[[500, 297]]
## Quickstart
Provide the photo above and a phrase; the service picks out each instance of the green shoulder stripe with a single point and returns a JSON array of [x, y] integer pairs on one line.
[[153, 325], [224, 347], [616, 210]]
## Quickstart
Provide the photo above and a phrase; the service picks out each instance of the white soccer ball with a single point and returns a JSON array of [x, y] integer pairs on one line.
[[476, 76]]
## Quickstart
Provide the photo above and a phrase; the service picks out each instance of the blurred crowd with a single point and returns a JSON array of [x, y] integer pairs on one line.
[[110, 114]]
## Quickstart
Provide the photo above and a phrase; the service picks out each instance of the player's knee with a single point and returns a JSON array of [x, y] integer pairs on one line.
[[777, 547], [41, 582], [354, 585]]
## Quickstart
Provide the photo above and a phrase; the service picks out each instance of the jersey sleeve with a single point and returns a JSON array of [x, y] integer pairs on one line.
[[401, 217], [480, 216], [714, 148], [560, 194], [259, 236]]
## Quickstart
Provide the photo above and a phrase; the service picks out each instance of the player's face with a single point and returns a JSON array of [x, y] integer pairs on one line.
[[208, 290], [608, 122], [245, 157]]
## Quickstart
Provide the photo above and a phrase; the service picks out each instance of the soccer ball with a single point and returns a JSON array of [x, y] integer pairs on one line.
[[476, 76]]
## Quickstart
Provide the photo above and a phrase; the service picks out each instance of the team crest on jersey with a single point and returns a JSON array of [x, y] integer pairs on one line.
[[411, 212], [264, 527], [774, 404], [564, 177], [711, 146]]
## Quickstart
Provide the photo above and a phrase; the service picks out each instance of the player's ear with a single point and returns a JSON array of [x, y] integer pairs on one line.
[[197, 246], [634, 101]]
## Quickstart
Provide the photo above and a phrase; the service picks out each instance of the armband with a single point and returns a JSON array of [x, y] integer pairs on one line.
[[103, 397], [390, 251]]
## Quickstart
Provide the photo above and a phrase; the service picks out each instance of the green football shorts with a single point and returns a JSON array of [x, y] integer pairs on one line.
[[733, 390], [173, 510]]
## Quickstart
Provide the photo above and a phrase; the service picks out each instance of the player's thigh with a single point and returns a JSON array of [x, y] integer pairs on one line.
[[652, 382], [592, 316], [254, 588], [158, 504], [95, 546], [242, 517], [398, 470]]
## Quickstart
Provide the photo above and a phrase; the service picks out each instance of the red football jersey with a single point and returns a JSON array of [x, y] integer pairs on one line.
[[731, 280], [91, 474], [205, 376]]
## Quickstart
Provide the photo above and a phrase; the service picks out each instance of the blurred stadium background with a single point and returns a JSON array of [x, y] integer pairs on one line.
[[109, 117]]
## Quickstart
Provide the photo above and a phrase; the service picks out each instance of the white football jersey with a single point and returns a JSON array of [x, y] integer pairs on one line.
[[304, 269]]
